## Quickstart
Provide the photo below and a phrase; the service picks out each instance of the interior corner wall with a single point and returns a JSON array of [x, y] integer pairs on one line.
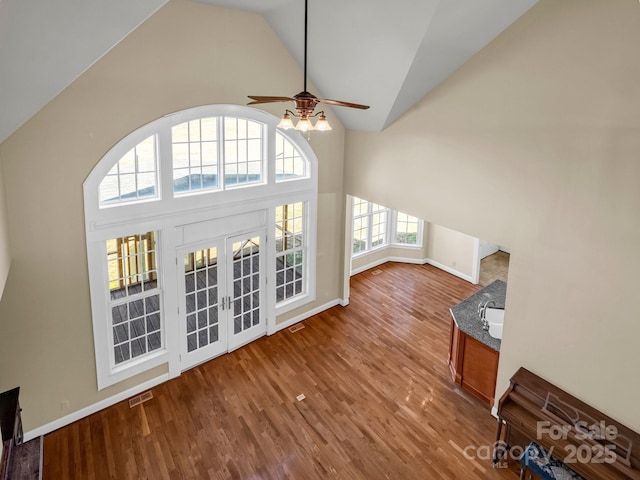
[[5, 250], [533, 143], [396, 253], [451, 249], [186, 54]]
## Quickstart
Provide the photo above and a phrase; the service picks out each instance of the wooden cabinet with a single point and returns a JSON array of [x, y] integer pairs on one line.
[[473, 365]]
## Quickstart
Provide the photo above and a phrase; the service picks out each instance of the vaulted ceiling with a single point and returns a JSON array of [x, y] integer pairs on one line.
[[381, 53]]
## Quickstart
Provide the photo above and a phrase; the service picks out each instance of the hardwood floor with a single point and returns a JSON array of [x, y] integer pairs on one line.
[[380, 402]]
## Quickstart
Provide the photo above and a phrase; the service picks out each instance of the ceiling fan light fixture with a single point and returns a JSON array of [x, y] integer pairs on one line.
[[304, 125], [286, 123], [323, 124], [305, 102]]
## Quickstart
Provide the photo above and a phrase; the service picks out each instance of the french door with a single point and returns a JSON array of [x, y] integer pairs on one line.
[[221, 296]]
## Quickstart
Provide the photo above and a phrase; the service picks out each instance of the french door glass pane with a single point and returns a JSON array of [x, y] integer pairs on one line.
[[246, 290]]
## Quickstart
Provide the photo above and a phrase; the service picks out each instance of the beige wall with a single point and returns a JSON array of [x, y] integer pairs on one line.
[[442, 246], [187, 54], [535, 144], [451, 248], [5, 251]]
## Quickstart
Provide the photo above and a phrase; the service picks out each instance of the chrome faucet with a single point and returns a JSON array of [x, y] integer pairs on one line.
[[482, 310]]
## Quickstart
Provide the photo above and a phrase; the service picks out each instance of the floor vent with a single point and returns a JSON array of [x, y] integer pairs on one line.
[[138, 399], [296, 327], [376, 272]]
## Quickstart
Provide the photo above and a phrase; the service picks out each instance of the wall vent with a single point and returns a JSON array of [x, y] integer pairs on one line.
[[296, 327], [138, 399]]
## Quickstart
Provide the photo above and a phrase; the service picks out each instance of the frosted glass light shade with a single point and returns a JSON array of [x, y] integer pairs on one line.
[[304, 125], [323, 124], [286, 122]]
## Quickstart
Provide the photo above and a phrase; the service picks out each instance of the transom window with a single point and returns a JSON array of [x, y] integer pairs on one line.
[[289, 162], [195, 155], [133, 177], [207, 154], [181, 184], [242, 151]]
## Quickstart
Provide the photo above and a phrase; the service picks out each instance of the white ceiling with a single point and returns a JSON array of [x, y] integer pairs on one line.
[[377, 52]]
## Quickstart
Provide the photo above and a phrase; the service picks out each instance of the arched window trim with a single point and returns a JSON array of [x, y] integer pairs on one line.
[[164, 213], [166, 202]]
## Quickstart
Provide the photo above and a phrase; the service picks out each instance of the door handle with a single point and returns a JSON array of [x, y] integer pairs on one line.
[[226, 303]]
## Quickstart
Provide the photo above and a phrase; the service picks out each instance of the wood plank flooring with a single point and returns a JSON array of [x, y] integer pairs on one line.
[[380, 403]]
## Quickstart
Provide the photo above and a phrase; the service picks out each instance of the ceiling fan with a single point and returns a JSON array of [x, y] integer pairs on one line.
[[305, 101]]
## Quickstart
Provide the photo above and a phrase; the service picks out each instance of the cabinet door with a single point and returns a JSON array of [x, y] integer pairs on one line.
[[479, 369], [456, 347]]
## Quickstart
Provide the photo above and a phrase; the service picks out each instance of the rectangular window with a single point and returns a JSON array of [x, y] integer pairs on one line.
[[407, 229], [370, 225], [242, 151], [135, 298], [290, 251], [195, 155], [378, 215]]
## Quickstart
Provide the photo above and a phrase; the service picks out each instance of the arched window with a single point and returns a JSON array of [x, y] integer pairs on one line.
[[133, 177], [201, 229], [290, 164]]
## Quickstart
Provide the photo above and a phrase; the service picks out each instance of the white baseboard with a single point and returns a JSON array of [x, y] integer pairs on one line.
[[307, 314], [344, 302], [418, 261], [369, 265], [96, 407], [415, 261], [450, 270], [494, 412]]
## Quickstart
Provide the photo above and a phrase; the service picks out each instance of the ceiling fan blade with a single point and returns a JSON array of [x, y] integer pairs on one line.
[[257, 99], [343, 104]]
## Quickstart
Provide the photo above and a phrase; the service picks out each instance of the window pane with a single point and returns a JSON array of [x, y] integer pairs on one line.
[[201, 299], [369, 225], [290, 245], [360, 207], [132, 272], [289, 162], [195, 155], [407, 229], [243, 151], [134, 177]]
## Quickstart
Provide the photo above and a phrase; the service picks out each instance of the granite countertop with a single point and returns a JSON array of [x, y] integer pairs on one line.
[[465, 314]]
